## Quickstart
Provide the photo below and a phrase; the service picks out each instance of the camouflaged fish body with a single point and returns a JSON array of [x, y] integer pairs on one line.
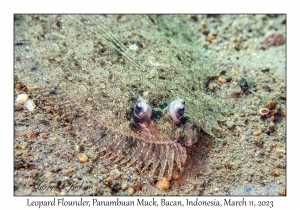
[[96, 79]]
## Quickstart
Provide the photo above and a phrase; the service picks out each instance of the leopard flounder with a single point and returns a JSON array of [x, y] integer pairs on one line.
[[95, 68]]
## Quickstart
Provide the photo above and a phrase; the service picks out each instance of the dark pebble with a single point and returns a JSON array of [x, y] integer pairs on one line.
[[280, 156], [116, 187], [18, 107], [282, 166], [274, 39], [243, 84]]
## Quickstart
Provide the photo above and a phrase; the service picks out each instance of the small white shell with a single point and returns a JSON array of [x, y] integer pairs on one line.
[[21, 98], [176, 109], [133, 47], [29, 104]]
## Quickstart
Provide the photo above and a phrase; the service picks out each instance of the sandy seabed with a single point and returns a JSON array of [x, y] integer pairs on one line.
[[226, 67]]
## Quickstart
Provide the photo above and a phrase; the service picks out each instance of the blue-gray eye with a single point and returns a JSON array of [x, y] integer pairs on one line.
[[138, 108], [181, 112]]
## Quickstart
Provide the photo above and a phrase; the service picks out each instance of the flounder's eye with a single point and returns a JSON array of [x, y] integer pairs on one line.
[[176, 109], [142, 111]]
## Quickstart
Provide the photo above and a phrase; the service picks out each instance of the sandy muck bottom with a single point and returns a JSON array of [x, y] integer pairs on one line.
[[81, 76]]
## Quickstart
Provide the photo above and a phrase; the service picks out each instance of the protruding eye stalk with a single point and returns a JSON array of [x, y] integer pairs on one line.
[[176, 110], [142, 111]]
